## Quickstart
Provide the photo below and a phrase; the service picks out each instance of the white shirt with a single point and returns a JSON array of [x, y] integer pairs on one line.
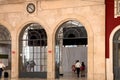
[[2, 65], [77, 65]]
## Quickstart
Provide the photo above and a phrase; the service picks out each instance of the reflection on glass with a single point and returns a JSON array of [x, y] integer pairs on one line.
[[33, 56], [119, 54]]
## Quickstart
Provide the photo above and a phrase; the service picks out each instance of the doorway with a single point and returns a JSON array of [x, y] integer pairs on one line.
[[5, 48], [116, 55], [33, 52], [71, 45]]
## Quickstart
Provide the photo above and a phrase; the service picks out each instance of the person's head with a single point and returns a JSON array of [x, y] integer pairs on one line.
[[77, 61], [83, 64]]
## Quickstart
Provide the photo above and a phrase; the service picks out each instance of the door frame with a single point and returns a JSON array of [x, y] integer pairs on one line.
[[109, 61], [90, 55], [30, 74]]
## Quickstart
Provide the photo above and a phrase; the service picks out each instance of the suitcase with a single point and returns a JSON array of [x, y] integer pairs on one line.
[[6, 75]]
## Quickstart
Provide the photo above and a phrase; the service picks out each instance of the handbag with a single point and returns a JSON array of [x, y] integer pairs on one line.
[[82, 68]]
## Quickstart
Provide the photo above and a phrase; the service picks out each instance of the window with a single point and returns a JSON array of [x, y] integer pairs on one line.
[[117, 8]]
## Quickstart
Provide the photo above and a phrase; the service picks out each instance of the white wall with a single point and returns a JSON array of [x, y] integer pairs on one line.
[[71, 54]]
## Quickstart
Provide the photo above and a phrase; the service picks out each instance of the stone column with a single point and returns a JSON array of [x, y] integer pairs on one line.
[[14, 57], [50, 59]]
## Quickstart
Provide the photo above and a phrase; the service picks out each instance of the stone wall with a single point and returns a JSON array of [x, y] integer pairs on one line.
[[51, 14]]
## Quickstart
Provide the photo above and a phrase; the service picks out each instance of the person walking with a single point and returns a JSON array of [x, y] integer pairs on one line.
[[2, 66], [77, 66], [82, 69], [73, 68]]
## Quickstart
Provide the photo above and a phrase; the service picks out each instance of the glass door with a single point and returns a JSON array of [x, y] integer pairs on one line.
[[33, 52], [116, 55]]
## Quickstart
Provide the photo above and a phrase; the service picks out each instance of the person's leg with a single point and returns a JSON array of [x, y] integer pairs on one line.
[[81, 73], [78, 71], [0, 73], [84, 73]]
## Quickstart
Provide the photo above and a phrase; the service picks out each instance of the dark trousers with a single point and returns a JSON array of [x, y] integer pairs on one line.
[[1, 72], [78, 71]]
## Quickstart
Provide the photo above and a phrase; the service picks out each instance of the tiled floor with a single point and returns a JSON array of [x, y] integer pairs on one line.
[[70, 76]]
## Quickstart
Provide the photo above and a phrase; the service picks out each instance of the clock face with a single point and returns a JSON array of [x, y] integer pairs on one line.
[[30, 8]]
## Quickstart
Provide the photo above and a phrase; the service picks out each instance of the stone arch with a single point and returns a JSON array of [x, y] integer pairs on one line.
[[6, 25], [109, 61], [33, 48], [19, 28], [6, 45], [35, 20], [89, 30]]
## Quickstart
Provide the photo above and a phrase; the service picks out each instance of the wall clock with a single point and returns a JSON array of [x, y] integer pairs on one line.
[[30, 8]]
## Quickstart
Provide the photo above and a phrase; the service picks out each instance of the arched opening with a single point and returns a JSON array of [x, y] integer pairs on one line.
[[116, 55], [33, 51], [71, 45], [5, 48]]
